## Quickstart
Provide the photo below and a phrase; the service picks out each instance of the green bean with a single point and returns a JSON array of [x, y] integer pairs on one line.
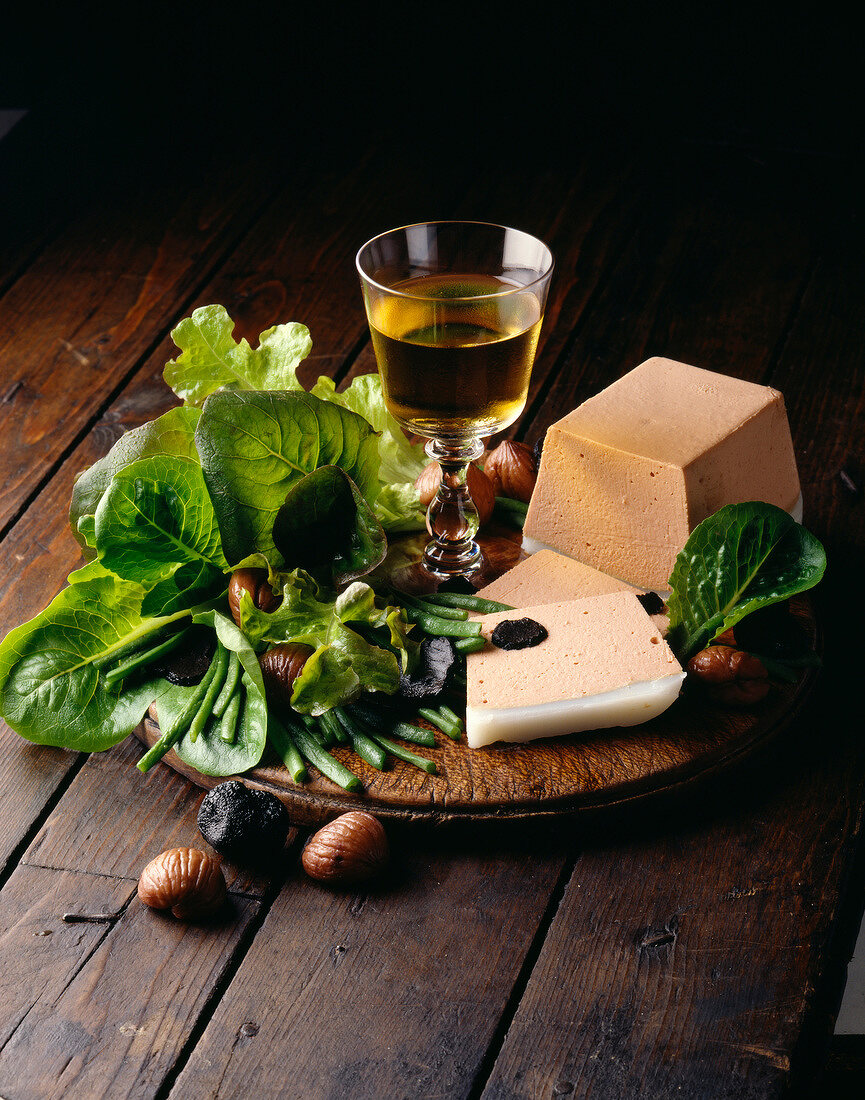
[[441, 722], [284, 744], [231, 678], [420, 603], [451, 716], [176, 730], [418, 735], [128, 648], [372, 721], [365, 748], [446, 628], [213, 689], [146, 657], [403, 754], [322, 760], [470, 645], [337, 733], [467, 601], [228, 719], [315, 729]]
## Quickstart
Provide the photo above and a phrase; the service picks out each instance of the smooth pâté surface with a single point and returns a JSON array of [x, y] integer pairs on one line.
[[693, 947]]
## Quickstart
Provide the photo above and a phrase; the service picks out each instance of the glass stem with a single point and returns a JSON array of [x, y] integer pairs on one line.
[[452, 518]]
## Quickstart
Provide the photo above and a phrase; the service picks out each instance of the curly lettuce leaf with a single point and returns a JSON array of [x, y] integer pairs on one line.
[[357, 645], [211, 359], [744, 557]]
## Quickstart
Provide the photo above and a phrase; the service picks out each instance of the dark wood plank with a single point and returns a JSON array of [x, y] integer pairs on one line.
[[710, 276], [77, 320], [390, 993], [93, 831], [95, 1009]]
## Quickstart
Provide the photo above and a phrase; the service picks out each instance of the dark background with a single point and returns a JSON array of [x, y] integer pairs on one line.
[[452, 80]]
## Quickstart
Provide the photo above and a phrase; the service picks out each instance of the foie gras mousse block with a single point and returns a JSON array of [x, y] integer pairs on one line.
[[627, 475]]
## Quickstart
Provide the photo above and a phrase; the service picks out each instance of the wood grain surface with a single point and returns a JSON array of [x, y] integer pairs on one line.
[[692, 944]]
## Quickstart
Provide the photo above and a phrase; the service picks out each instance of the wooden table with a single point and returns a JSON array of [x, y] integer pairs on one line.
[[689, 948]]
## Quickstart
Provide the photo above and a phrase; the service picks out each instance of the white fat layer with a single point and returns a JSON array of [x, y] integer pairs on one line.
[[625, 706]]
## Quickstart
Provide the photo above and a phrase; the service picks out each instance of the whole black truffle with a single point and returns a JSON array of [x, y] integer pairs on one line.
[[437, 656], [518, 634], [242, 823]]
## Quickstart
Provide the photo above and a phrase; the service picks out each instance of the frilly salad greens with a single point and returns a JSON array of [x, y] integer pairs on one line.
[[252, 470]]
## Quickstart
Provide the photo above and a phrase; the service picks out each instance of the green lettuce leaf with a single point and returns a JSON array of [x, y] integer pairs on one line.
[[351, 637], [744, 557], [398, 504], [255, 446], [327, 528], [155, 518], [51, 690], [211, 359], [172, 435]]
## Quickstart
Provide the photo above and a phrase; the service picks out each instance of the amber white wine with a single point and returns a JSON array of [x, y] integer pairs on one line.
[[452, 363]]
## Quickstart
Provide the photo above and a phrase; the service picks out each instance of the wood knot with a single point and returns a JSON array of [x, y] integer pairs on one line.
[[664, 936]]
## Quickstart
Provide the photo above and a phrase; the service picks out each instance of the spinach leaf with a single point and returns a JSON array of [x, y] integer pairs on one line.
[[212, 359], [50, 683], [172, 434], [255, 446], [155, 524], [209, 754], [744, 557], [327, 528]]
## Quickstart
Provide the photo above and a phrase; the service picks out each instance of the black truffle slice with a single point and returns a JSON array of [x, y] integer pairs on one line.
[[187, 665], [652, 603], [437, 656], [518, 634], [242, 823]]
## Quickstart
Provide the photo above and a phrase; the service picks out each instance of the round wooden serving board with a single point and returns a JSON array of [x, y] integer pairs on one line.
[[561, 775]]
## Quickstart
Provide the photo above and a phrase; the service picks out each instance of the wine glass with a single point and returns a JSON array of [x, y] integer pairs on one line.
[[454, 310]]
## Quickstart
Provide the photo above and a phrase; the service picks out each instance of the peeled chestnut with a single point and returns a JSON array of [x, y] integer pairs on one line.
[[253, 581], [188, 882], [280, 667]]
